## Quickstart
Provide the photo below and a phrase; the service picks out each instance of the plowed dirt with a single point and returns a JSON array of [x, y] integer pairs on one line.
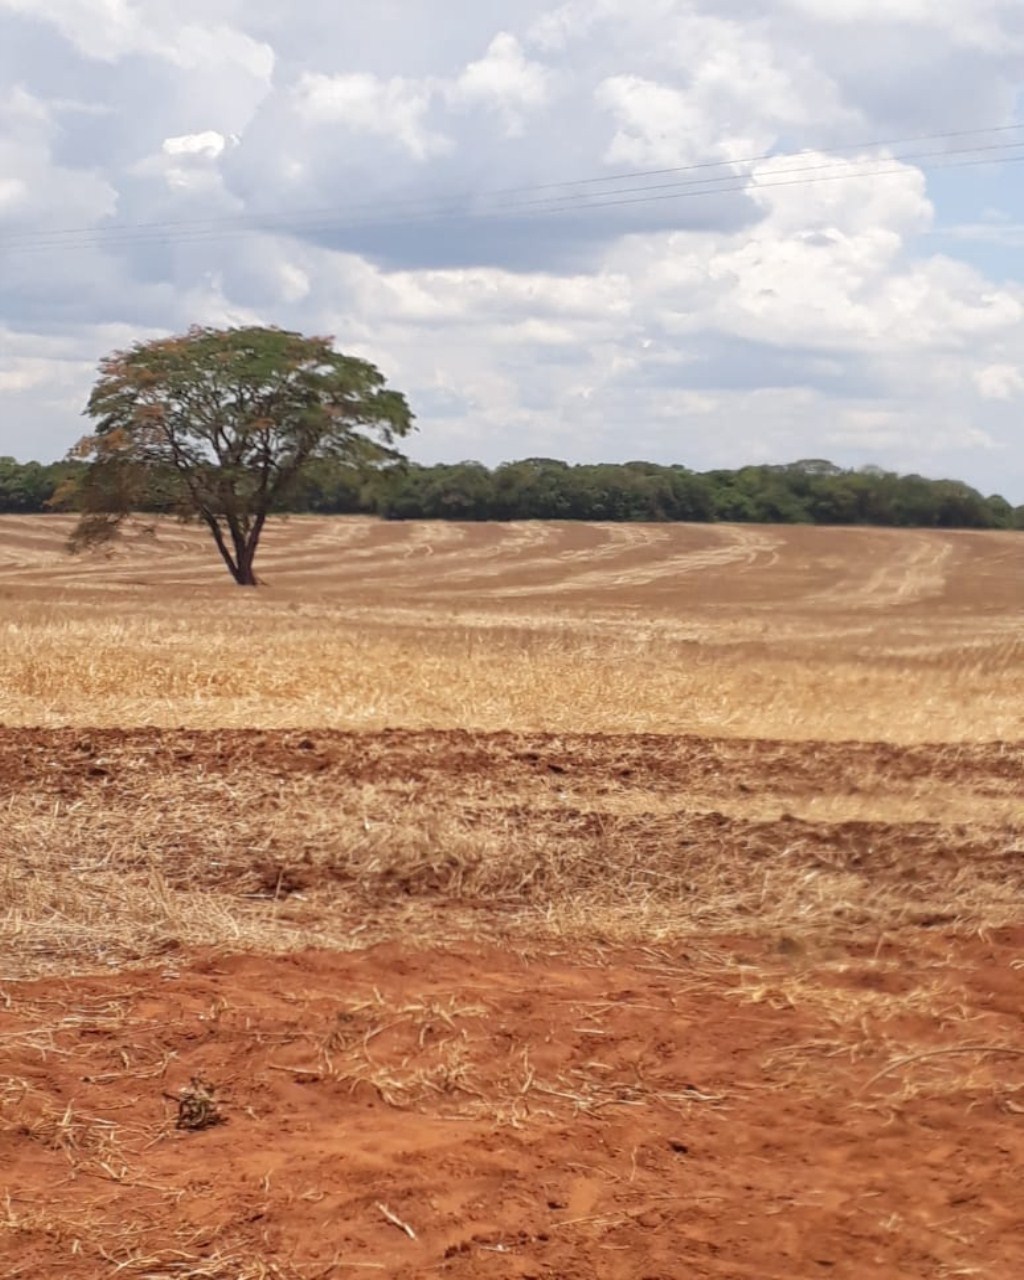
[[779, 1097]]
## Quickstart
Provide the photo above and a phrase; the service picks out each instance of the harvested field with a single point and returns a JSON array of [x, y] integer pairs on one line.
[[528, 901], [795, 633]]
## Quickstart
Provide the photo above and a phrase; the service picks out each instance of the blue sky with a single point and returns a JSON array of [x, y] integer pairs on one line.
[[407, 177]]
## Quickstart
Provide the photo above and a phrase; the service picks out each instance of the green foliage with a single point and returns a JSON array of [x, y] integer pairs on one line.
[[226, 426], [809, 492]]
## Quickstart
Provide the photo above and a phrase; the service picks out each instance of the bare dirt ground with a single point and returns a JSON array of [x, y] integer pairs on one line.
[[506, 983], [648, 1113]]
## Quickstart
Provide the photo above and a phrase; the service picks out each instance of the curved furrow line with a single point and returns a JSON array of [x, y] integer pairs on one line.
[[390, 557], [432, 553], [738, 546], [551, 550], [915, 568], [816, 571]]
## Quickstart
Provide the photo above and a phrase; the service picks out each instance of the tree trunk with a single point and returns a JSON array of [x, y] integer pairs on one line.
[[240, 564], [245, 543], [244, 574], [242, 560]]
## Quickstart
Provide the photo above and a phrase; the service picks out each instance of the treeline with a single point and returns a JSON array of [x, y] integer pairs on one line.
[[808, 492], [31, 486]]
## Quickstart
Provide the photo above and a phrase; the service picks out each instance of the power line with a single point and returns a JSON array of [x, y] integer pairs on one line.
[[341, 218], [561, 208], [702, 186], [377, 206], [775, 155], [564, 205]]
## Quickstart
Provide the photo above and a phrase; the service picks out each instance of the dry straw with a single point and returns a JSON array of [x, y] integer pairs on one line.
[[825, 634]]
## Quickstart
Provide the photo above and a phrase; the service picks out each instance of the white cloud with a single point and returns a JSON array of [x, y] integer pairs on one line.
[[657, 125], [999, 381], [858, 194], [37, 189], [980, 23], [725, 93], [295, 284], [503, 80], [23, 375], [108, 30], [13, 191], [209, 144], [188, 164], [399, 108], [394, 109]]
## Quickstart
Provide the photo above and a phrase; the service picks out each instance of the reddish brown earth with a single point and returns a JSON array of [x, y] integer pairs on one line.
[[829, 1099], [524, 1115], [75, 760]]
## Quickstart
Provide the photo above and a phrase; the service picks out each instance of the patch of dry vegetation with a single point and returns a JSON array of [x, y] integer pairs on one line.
[[788, 634], [235, 666], [121, 850]]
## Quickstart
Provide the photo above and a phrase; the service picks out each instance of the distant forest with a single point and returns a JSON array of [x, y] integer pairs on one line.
[[809, 492]]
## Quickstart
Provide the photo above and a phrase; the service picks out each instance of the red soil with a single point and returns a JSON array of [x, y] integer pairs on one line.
[[764, 1107], [638, 1115]]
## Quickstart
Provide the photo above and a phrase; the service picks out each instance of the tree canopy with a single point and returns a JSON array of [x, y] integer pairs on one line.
[[810, 492], [220, 425]]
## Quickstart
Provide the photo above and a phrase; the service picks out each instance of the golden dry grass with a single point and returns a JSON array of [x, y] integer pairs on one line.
[[782, 633]]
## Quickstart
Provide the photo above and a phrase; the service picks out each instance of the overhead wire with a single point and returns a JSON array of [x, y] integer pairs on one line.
[[385, 214], [288, 226], [377, 205]]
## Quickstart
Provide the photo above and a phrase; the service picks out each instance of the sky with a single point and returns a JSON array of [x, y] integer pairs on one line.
[[711, 232]]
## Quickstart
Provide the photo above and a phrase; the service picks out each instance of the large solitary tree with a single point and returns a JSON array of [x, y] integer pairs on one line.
[[217, 425]]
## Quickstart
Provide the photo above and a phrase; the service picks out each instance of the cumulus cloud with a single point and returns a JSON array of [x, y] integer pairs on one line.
[[467, 197], [730, 95], [999, 381], [188, 163], [109, 30], [504, 81], [35, 186], [394, 110], [210, 145]]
